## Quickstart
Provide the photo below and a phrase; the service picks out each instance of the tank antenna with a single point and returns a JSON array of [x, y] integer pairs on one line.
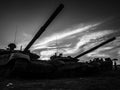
[[57, 45], [15, 35]]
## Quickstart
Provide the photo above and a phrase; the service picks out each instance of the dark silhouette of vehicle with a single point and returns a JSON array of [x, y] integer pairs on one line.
[[25, 63], [17, 60], [70, 66]]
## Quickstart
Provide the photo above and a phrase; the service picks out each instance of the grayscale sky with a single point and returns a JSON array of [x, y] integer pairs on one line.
[[81, 25]]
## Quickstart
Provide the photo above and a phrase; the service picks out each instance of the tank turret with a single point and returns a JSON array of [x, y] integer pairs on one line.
[[75, 59], [19, 61]]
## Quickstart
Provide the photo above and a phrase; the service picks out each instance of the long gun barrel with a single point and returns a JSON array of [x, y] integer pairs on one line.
[[42, 29], [96, 47]]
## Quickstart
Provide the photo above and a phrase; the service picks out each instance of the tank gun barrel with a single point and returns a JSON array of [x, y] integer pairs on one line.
[[42, 29], [96, 47]]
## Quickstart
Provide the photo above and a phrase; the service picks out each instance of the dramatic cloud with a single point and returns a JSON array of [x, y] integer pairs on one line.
[[71, 41], [92, 36], [67, 33]]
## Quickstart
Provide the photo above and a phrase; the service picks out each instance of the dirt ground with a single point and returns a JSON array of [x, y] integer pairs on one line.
[[104, 81]]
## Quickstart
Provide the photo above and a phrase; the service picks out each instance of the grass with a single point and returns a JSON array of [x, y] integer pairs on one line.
[[104, 81]]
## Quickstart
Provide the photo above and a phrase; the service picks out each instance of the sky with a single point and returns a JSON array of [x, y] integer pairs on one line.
[[81, 25]]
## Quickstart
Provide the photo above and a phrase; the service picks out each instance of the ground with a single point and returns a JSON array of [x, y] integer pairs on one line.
[[105, 81]]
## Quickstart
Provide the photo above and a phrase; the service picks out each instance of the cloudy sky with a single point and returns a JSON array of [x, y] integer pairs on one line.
[[81, 25]]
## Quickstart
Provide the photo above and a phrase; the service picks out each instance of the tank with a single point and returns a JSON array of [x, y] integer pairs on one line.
[[71, 67], [25, 63], [18, 61]]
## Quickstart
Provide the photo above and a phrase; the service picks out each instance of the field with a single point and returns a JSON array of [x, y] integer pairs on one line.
[[105, 81]]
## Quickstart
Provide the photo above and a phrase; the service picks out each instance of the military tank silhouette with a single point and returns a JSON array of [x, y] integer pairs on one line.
[[55, 67], [60, 57], [25, 63], [16, 59], [70, 65]]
